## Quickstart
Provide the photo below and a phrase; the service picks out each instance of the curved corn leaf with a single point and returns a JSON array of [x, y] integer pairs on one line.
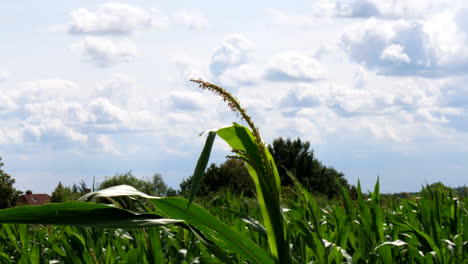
[[81, 214], [212, 228], [114, 191]]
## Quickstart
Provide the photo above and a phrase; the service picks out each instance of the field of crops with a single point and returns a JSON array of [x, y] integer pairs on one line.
[[122, 225], [430, 229]]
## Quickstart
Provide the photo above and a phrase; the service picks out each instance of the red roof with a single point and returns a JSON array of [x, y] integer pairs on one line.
[[33, 199]]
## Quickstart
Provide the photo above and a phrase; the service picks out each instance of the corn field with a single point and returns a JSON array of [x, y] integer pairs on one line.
[[123, 225]]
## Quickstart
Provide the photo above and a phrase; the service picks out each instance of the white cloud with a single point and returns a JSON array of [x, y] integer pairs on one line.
[[395, 112], [70, 112], [384, 9], [189, 69], [185, 101], [395, 53], [233, 50], [9, 136], [52, 130], [117, 89], [44, 90], [107, 144], [58, 113], [359, 8], [6, 104], [191, 19], [244, 74], [360, 78], [294, 67], [104, 52], [114, 18], [425, 48], [109, 118]]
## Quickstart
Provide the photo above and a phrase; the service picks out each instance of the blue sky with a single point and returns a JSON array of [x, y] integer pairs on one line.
[[93, 88]]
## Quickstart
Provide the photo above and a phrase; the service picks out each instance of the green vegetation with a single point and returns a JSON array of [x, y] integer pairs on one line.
[[64, 194], [294, 156], [272, 228], [231, 176], [8, 194], [155, 186]]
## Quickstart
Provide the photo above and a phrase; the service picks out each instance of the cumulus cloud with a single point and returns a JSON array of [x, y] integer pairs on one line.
[[116, 89], [455, 93], [8, 136], [191, 19], [58, 113], [6, 104], [105, 52], [395, 53], [114, 18], [71, 112], [107, 144], [189, 69], [397, 112], [244, 74], [294, 67], [44, 90], [360, 78], [185, 101], [383, 9], [233, 50], [425, 48], [104, 113], [53, 130]]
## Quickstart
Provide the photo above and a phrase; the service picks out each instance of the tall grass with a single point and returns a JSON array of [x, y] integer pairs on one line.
[[138, 228]]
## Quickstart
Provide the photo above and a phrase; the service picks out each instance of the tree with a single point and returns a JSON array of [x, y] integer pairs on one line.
[[231, 175], [63, 194], [160, 187], [59, 195], [296, 157], [236, 174], [171, 192], [8, 194], [156, 186]]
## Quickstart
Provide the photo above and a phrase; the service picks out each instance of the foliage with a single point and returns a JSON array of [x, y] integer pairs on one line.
[[159, 186], [232, 175], [8, 194], [171, 192], [64, 194], [329, 234], [295, 156], [462, 191], [155, 186]]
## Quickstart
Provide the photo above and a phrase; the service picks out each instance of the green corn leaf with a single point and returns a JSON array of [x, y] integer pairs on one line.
[[212, 228], [201, 165], [81, 214], [155, 248], [423, 238], [348, 204], [267, 182]]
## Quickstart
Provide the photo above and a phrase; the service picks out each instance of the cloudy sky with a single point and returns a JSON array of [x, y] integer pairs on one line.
[[94, 88]]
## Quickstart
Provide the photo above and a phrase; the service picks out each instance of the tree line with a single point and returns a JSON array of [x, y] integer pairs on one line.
[[293, 158]]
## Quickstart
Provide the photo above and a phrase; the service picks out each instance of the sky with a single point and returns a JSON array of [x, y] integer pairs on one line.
[[89, 89]]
